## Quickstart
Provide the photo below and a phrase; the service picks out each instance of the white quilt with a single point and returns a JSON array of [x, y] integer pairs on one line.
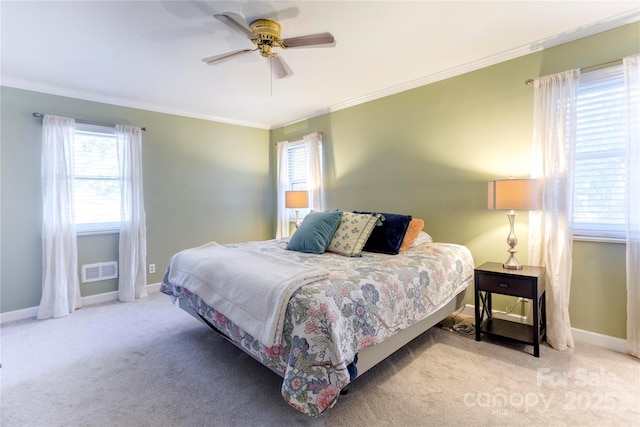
[[243, 285]]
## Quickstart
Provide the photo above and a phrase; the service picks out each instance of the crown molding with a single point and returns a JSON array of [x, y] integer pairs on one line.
[[625, 18], [598, 27], [122, 102]]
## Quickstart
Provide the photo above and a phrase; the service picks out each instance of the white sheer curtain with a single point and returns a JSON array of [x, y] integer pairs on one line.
[[282, 185], [60, 284], [632, 81], [550, 228], [314, 171], [133, 232], [313, 178]]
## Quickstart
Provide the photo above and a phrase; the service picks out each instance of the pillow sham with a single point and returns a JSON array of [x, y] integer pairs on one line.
[[352, 233], [422, 238], [415, 227], [387, 238], [315, 232]]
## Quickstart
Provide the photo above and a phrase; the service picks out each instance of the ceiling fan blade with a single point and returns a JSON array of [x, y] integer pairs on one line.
[[224, 56], [279, 68], [310, 40], [276, 15], [187, 9], [237, 22]]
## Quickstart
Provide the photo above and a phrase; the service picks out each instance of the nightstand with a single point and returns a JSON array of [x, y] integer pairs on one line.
[[491, 278]]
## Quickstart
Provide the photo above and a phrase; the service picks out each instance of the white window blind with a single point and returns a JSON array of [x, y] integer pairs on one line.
[[600, 158], [298, 155], [96, 179], [298, 160]]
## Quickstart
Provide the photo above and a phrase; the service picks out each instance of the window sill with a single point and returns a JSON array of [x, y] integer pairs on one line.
[[96, 232], [580, 238]]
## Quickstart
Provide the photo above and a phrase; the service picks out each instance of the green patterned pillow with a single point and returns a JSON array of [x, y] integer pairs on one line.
[[352, 233]]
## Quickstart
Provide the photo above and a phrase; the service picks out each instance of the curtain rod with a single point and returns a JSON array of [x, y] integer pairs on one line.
[[112, 125], [320, 134], [529, 81]]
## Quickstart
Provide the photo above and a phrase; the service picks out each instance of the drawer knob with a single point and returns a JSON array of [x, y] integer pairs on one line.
[[504, 285]]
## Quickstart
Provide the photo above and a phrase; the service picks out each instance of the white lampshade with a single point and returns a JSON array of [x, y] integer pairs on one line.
[[513, 194], [296, 199]]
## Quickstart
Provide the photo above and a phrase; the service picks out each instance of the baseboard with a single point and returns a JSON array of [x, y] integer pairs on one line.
[[16, 315], [579, 335], [599, 340], [32, 312]]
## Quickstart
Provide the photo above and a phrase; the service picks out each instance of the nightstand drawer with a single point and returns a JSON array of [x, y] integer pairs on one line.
[[505, 285]]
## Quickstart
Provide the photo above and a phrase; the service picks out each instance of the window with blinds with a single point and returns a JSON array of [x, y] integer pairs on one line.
[[298, 156], [298, 161], [96, 179], [600, 158]]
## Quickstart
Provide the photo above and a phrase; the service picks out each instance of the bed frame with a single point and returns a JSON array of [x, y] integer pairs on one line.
[[370, 356]]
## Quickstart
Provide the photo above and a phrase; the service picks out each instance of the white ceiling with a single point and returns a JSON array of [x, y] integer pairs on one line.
[[146, 54]]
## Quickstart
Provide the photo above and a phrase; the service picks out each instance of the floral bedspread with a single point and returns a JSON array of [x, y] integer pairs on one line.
[[364, 301]]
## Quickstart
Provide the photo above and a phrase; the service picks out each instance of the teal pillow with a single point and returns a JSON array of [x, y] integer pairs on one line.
[[315, 232]]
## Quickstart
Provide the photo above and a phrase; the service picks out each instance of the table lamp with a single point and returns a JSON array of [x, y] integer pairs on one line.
[[296, 200], [513, 194]]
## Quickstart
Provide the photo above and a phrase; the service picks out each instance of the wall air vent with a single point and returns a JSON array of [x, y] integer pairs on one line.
[[99, 271]]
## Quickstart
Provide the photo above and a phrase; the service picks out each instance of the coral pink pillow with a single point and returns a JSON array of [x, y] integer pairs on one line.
[[415, 227]]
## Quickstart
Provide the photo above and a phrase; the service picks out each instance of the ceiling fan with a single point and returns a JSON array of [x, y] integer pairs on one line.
[[265, 35]]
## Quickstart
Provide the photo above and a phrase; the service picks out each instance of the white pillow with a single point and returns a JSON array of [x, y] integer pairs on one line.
[[422, 238]]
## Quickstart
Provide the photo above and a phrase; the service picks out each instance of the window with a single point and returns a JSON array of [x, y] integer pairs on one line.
[[298, 155], [96, 179], [600, 158]]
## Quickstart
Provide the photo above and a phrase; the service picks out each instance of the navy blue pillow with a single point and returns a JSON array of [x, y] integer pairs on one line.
[[387, 238]]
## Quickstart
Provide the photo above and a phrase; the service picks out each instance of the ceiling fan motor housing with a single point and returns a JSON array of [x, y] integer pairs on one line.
[[268, 33]]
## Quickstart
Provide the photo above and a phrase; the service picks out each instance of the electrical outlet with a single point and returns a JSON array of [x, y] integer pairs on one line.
[[152, 268]]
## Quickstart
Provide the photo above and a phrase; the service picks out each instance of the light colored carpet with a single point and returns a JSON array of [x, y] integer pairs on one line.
[[150, 364]]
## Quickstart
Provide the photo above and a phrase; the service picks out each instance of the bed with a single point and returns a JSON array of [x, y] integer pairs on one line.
[[353, 312]]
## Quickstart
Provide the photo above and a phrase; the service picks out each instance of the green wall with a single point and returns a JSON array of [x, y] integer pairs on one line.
[[427, 152], [430, 151], [203, 181]]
